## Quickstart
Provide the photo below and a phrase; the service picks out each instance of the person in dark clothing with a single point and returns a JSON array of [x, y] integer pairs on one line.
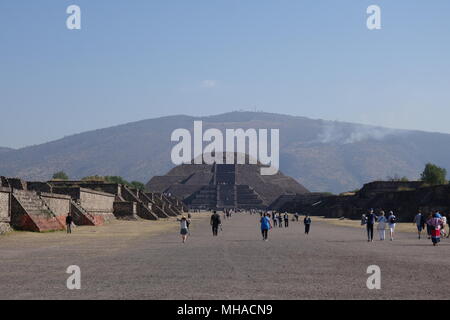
[[280, 220], [69, 221], [286, 220], [371, 218], [430, 216], [275, 219], [215, 223], [307, 222]]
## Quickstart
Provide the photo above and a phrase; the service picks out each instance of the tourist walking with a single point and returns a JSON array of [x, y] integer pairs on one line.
[[363, 220], [189, 223], [69, 221], [215, 223], [435, 224], [370, 222], [286, 220], [429, 217], [381, 227], [183, 228], [296, 216], [274, 218], [307, 222], [280, 220], [392, 219], [448, 222], [265, 226], [444, 223], [419, 222]]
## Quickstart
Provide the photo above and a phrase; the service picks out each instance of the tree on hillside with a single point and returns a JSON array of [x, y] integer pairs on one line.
[[94, 178], [434, 175], [60, 175], [138, 185], [117, 179], [397, 178]]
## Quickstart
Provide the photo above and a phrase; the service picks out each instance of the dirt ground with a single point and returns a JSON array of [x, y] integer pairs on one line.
[[146, 260]]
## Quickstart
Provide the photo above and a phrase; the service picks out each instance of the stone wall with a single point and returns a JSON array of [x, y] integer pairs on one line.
[[5, 205], [5, 227], [58, 204], [125, 210], [96, 202], [405, 204], [17, 183], [111, 188], [39, 187], [373, 188], [100, 205], [5, 210]]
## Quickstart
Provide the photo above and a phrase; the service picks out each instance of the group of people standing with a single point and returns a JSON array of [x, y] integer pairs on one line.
[[266, 223], [278, 218], [433, 223]]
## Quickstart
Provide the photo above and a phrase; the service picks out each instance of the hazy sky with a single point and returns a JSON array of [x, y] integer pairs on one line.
[[141, 59]]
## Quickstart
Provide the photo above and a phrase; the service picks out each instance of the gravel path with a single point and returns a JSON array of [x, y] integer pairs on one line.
[[331, 263]]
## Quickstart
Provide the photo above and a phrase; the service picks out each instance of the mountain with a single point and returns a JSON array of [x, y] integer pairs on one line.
[[321, 155], [3, 149]]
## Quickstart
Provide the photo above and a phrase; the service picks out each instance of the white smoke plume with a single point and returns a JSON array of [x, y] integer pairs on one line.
[[341, 133]]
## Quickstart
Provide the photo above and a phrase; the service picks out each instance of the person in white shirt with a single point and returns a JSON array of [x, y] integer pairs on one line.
[[444, 223], [184, 228], [382, 226], [392, 221]]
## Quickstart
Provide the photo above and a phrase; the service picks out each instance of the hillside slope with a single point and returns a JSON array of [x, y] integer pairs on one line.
[[321, 155]]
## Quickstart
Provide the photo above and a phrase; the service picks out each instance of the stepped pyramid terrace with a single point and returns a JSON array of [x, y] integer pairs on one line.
[[222, 186], [44, 206]]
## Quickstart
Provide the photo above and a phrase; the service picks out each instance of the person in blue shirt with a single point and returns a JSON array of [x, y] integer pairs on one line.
[[265, 226]]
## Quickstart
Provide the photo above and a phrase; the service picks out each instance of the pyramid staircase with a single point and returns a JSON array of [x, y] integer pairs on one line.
[[32, 214], [158, 210], [143, 210]]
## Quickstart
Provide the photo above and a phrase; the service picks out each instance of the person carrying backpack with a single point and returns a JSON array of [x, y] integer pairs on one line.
[[392, 220], [307, 223]]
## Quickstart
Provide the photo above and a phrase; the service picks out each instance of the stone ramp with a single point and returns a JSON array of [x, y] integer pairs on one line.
[[30, 213], [81, 217], [158, 210], [143, 211]]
